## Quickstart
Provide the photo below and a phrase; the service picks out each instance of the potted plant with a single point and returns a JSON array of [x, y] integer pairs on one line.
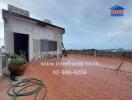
[[16, 64]]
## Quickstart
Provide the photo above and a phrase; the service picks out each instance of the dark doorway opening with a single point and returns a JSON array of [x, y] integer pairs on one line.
[[21, 44]]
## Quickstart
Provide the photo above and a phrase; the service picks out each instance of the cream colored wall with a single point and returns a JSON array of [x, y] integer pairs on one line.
[[34, 31]]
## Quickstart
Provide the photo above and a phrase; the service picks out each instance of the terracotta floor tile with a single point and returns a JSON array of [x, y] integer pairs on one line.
[[101, 82]]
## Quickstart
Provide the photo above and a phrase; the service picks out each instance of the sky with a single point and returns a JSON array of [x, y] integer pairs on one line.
[[88, 23]]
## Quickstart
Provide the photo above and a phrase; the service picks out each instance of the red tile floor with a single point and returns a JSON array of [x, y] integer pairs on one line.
[[99, 82]]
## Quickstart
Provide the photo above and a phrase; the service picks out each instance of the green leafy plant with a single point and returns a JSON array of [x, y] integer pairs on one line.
[[14, 60], [12, 55], [17, 62]]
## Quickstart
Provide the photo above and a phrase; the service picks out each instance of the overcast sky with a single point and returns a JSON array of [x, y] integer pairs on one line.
[[88, 23]]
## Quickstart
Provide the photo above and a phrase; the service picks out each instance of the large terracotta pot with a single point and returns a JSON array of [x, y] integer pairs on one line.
[[18, 70]]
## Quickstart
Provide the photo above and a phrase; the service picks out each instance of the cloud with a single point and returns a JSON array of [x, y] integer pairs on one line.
[[88, 23]]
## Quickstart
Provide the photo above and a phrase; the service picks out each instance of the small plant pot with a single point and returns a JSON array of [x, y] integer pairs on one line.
[[17, 70]]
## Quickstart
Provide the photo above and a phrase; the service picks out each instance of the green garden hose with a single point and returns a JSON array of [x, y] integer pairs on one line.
[[17, 89]]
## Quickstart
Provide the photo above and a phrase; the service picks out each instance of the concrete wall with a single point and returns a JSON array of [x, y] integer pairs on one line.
[[18, 10], [18, 25], [0, 66]]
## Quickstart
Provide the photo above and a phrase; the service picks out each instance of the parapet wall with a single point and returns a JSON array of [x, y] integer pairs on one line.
[[18, 10]]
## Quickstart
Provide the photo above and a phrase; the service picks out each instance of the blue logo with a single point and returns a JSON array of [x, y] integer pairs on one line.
[[117, 11]]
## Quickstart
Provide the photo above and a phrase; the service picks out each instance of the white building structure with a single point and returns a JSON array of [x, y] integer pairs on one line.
[[32, 37]]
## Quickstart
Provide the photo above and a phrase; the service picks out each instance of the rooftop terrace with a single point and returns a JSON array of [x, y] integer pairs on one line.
[[100, 82]]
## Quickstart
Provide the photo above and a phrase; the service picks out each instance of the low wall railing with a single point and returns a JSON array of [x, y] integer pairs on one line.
[[126, 55], [2, 62]]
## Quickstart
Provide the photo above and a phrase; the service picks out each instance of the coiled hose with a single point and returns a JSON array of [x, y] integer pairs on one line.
[[16, 90]]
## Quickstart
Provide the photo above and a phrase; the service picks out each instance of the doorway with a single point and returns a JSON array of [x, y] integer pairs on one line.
[[21, 44]]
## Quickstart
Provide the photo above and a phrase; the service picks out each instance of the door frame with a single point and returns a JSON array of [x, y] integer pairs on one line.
[[27, 43]]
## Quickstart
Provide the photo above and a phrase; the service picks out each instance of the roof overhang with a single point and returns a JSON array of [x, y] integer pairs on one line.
[[7, 13]]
